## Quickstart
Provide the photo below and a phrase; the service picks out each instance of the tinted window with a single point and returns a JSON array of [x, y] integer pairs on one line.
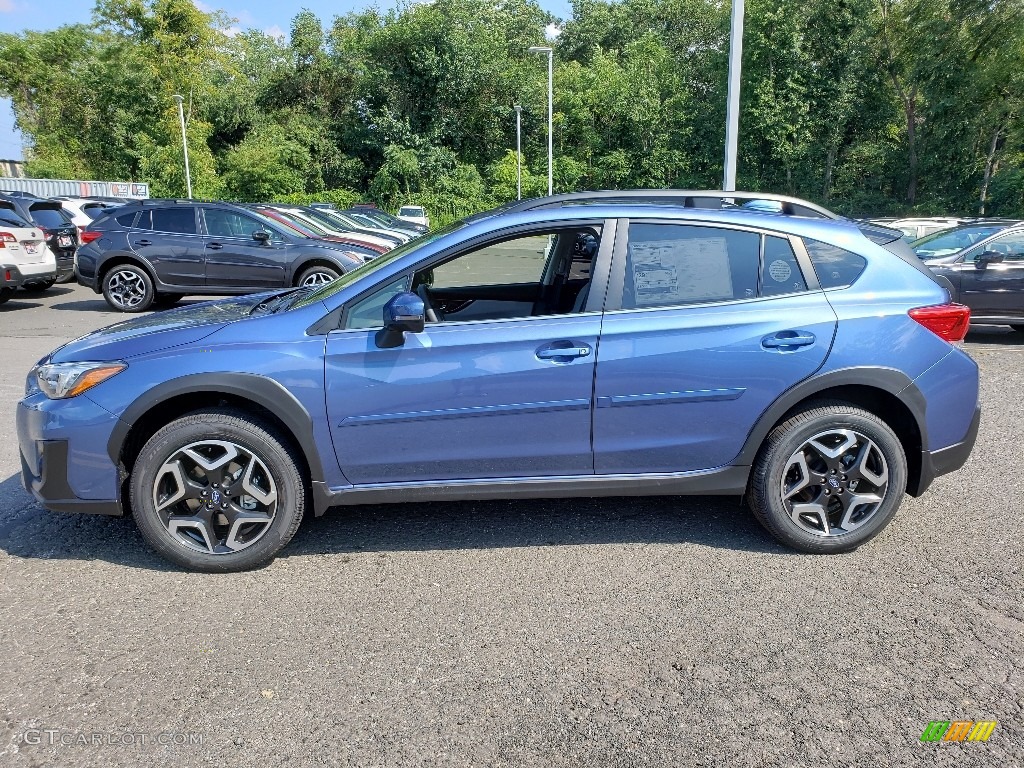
[[835, 267], [222, 223], [180, 220], [128, 219], [10, 219], [780, 272], [671, 264], [368, 312], [48, 217], [94, 211]]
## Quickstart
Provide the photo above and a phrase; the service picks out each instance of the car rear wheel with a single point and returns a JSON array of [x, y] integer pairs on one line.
[[828, 479], [218, 491], [317, 275], [39, 287], [6, 294], [68, 278], [128, 288]]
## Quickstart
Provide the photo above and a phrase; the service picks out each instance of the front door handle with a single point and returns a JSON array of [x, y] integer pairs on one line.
[[215, 246], [563, 354], [788, 340]]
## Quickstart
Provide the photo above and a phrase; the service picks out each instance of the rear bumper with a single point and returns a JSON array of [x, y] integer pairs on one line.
[[948, 459], [10, 276]]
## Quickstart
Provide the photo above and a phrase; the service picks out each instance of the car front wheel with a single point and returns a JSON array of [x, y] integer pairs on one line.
[[828, 479], [218, 491], [317, 276], [128, 288]]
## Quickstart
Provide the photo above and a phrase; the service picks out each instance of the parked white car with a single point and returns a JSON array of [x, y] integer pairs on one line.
[[83, 210], [25, 259], [914, 228], [417, 214]]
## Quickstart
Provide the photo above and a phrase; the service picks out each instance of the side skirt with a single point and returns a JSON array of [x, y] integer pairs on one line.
[[725, 481]]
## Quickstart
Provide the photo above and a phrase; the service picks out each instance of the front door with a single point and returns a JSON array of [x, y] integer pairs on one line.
[[713, 325], [234, 259], [498, 385], [997, 290]]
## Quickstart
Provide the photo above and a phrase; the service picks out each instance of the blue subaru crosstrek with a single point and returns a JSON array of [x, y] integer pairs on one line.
[[596, 344]]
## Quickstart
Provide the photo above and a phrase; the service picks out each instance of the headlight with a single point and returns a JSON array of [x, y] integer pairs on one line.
[[62, 380]]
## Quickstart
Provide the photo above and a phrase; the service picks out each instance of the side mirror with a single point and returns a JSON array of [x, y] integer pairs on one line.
[[988, 257], [261, 236], [403, 313]]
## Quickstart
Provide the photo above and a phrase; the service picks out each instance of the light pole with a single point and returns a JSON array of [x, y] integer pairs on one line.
[[184, 143], [519, 151], [551, 69], [732, 118]]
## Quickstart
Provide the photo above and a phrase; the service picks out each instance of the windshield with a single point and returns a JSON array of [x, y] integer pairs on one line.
[[329, 289], [950, 241], [411, 210]]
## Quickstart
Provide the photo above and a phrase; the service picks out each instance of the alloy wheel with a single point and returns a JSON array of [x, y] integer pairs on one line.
[[835, 482], [126, 288], [215, 496], [317, 278]]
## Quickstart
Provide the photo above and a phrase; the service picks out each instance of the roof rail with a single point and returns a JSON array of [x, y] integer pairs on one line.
[[686, 198]]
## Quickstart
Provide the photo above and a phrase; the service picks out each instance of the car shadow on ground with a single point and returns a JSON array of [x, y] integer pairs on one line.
[[17, 302], [29, 531], [994, 334]]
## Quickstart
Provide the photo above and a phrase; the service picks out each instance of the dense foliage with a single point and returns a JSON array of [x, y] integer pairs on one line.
[[869, 106]]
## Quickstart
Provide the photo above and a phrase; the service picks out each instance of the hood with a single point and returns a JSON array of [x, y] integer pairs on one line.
[[159, 330]]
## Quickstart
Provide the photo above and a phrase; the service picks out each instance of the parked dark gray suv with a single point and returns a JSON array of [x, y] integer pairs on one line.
[[160, 250]]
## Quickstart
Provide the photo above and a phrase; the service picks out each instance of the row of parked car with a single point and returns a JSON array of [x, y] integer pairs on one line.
[[143, 252]]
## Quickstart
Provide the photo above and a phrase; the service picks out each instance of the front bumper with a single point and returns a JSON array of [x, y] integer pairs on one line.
[[64, 464]]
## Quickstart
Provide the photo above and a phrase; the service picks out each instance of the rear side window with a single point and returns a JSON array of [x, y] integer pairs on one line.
[[835, 266], [780, 273], [672, 264], [177, 220], [9, 218]]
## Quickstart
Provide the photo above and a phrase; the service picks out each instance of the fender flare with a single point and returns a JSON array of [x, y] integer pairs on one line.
[[260, 390], [889, 380]]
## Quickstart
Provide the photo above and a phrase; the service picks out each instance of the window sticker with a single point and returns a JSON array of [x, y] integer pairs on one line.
[[680, 271], [780, 271]]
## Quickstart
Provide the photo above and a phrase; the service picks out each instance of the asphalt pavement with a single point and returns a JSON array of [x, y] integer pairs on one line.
[[614, 632]]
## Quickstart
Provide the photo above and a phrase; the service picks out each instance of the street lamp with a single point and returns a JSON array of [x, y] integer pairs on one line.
[[184, 143], [551, 68], [732, 118], [519, 152]]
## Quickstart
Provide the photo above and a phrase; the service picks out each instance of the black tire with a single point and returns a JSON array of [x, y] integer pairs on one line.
[[190, 546], [317, 275], [1018, 328], [168, 299], [68, 278], [774, 465], [6, 294], [128, 288], [38, 287]]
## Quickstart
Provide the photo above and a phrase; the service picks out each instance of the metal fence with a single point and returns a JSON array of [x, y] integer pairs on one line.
[[66, 188]]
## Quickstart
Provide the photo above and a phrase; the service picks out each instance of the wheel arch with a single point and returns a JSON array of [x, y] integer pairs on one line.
[[316, 261], [886, 392], [120, 260], [177, 397]]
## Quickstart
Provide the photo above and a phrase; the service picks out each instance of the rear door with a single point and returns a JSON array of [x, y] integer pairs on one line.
[[706, 326], [169, 239], [998, 289], [235, 259]]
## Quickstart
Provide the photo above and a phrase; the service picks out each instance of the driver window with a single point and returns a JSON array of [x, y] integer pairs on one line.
[[543, 273]]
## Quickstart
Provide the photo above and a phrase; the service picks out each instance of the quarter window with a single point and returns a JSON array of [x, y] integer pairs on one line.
[[835, 267], [673, 264], [368, 312]]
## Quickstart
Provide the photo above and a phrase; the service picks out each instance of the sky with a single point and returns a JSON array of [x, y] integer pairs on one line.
[[271, 16]]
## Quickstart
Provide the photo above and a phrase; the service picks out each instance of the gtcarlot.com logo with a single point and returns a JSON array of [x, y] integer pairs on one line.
[[959, 730], [51, 737]]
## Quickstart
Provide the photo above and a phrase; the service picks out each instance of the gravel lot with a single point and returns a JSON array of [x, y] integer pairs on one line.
[[617, 632]]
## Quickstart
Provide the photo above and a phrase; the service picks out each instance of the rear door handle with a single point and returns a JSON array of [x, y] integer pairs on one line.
[[786, 339], [215, 246], [563, 354], [143, 242]]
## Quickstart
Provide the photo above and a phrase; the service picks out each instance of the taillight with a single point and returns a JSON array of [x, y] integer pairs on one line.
[[948, 321], [88, 237], [5, 238]]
